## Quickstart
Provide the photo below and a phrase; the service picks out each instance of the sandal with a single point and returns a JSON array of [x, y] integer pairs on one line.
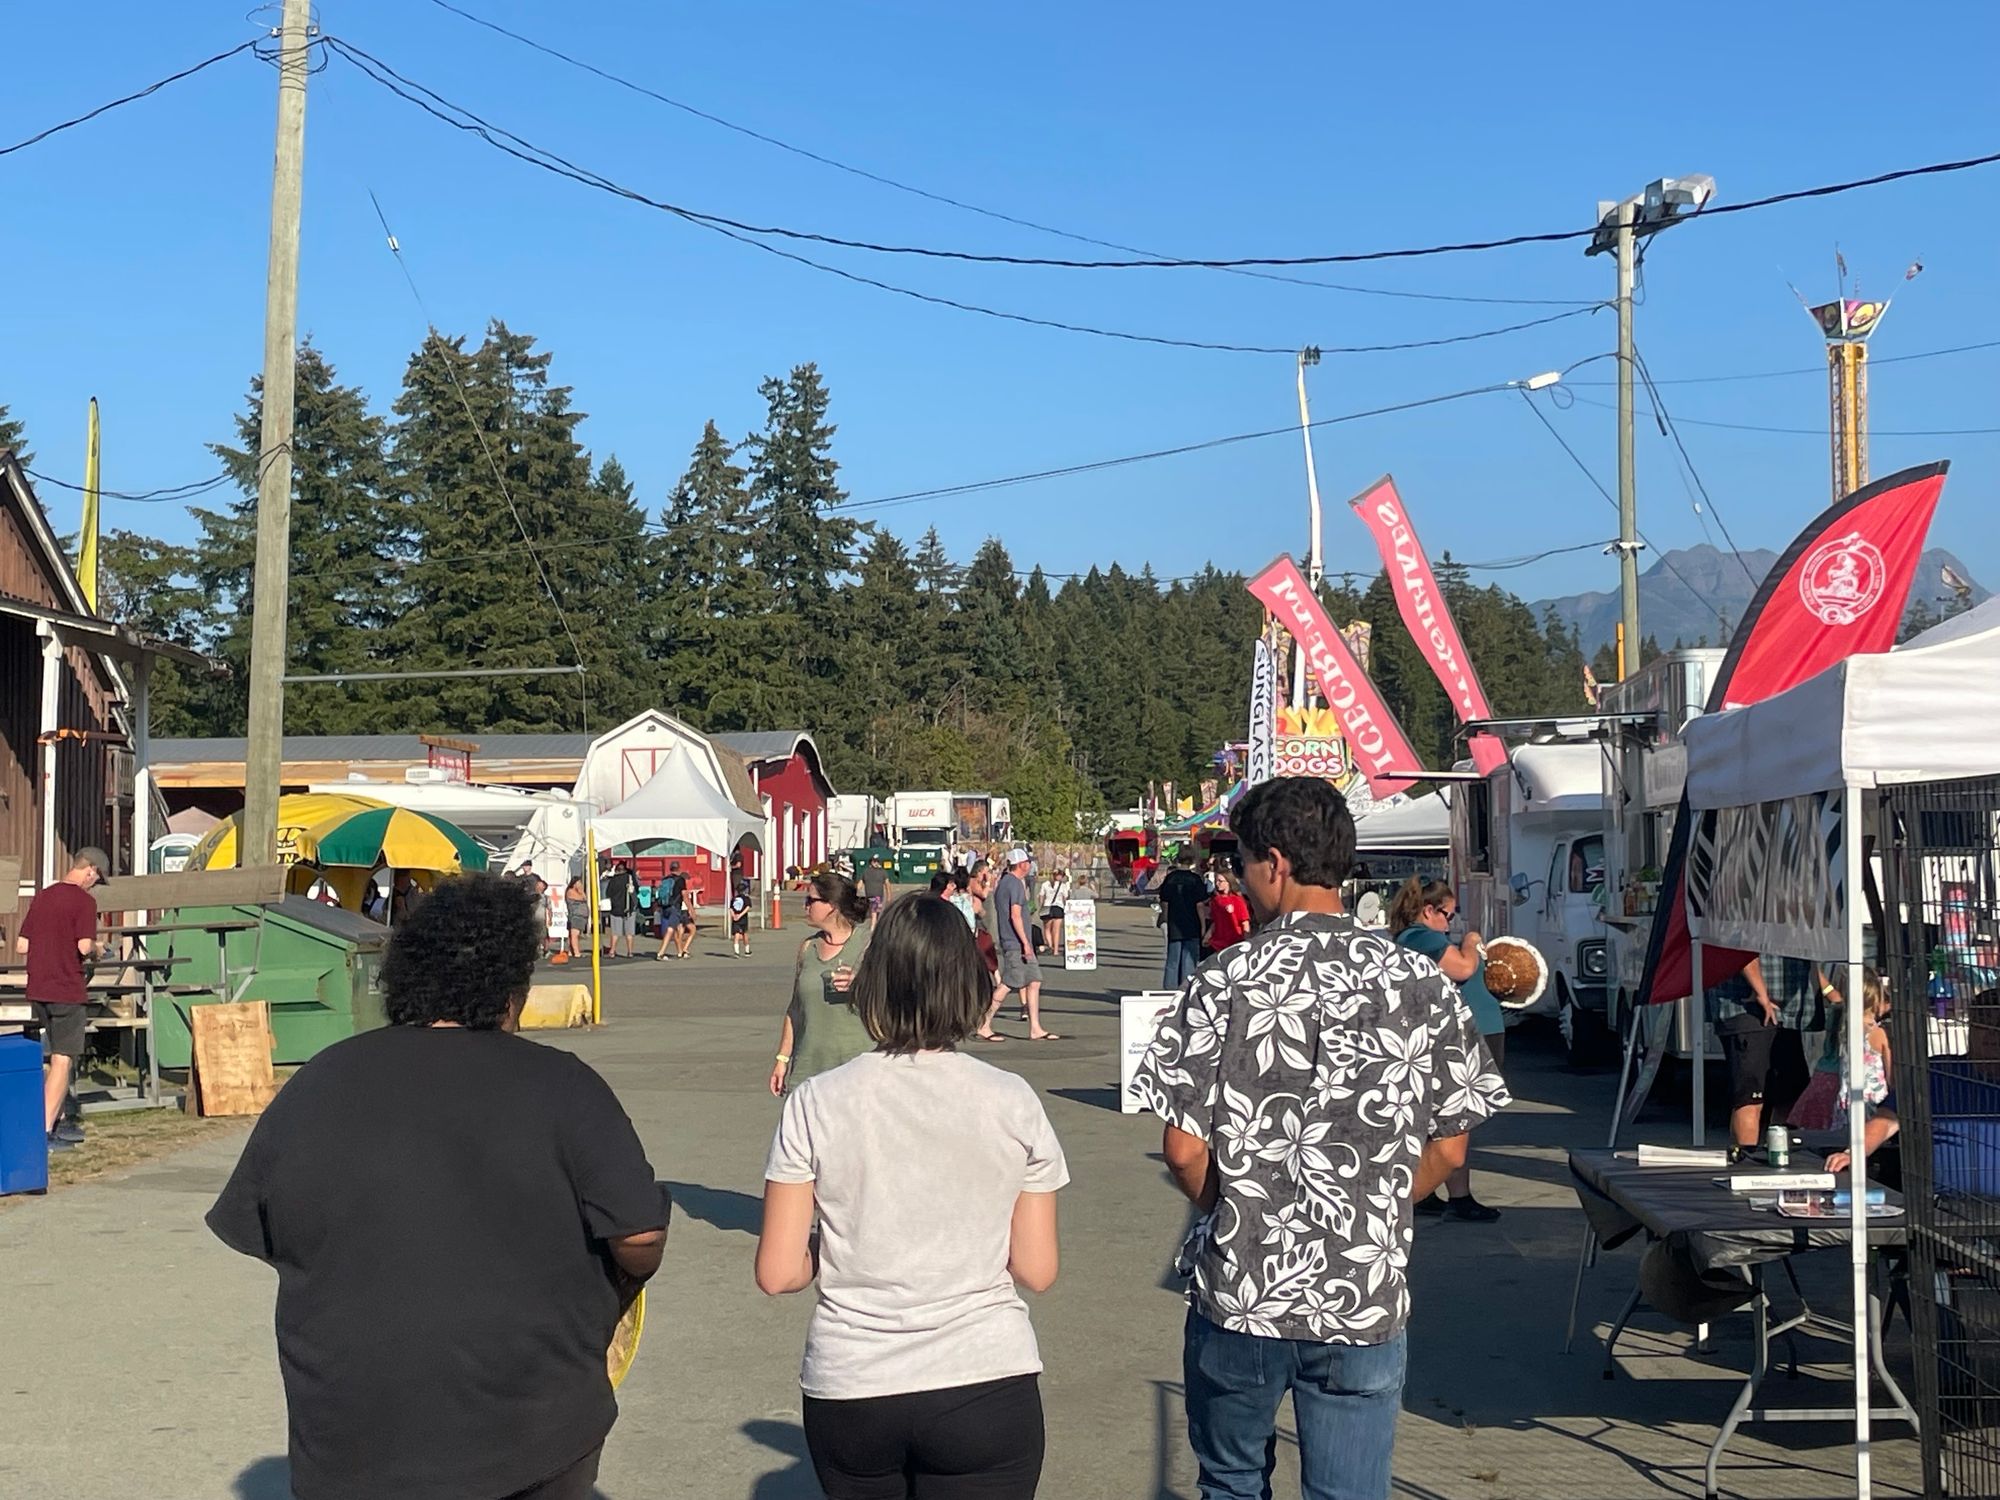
[[988, 1036], [1047, 1036]]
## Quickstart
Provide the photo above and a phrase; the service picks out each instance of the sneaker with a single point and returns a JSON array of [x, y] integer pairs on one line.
[[1431, 1207], [57, 1143], [68, 1132], [1471, 1210]]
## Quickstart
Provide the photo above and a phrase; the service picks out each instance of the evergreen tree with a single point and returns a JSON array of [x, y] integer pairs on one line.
[[14, 437], [724, 669], [490, 583], [802, 546], [150, 586], [347, 543]]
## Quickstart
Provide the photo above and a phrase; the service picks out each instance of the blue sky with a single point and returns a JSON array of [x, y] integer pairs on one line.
[[136, 248]]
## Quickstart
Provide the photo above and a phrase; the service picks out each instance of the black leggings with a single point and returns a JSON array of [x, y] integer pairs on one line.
[[969, 1442]]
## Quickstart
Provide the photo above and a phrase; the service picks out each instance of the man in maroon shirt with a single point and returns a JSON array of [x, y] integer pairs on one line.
[[57, 935]]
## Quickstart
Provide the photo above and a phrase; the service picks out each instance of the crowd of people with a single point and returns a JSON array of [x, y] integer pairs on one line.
[[909, 1184], [667, 908]]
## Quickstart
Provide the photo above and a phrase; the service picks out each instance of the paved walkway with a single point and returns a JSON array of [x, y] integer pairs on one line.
[[137, 1357]]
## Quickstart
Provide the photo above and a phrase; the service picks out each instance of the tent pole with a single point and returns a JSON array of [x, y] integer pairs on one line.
[[1697, 1029], [596, 936], [1857, 1073]]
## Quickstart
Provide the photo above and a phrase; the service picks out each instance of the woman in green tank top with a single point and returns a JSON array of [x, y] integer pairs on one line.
[[821, 1030]]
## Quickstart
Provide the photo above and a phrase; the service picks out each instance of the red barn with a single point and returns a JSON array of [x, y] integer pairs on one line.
[[790, 781]]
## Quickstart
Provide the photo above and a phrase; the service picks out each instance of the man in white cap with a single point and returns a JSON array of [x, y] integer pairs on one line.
[[1019, 969], [57, 935]]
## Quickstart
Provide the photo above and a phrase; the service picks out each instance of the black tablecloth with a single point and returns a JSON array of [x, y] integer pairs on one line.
[[1706, 1225]]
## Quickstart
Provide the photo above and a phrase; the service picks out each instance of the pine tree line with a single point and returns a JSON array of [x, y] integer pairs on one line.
[[749, 601]]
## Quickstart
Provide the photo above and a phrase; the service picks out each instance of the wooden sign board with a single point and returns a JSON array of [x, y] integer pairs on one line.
[[232, 1073], [191, 888]]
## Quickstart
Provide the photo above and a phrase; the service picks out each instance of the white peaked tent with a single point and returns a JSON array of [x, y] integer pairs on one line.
[[678, 802], [1779, 788]]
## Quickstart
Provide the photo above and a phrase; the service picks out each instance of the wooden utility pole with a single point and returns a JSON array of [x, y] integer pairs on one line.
[[257, 836]]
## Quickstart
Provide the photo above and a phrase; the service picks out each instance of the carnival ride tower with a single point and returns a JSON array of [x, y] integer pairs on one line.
[[1846, 325]]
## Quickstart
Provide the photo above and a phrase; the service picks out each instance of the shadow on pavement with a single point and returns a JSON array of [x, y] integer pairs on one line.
[[788, 1438], [725, 1208], [1096, 1098], [266, 1479], [271, 1479]]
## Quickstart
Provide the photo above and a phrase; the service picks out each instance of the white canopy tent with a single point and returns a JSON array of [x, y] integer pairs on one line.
[[1776, 855], [678, 802]]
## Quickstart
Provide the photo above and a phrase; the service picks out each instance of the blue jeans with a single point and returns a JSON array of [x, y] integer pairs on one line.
[[1183, 958], [1344, 1400]]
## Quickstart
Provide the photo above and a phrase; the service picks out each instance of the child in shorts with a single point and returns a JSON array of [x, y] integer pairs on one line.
[[739, 920]]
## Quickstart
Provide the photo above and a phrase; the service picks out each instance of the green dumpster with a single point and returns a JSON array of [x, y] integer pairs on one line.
[[316, 966]]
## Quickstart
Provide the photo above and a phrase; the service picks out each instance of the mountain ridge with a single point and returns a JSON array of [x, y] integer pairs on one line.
[[1696, 595]]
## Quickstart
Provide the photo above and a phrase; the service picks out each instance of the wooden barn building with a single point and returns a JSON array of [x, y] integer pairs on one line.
[[72, 691]]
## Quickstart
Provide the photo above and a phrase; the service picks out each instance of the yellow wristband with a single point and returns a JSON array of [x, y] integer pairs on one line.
[[784, 1057]]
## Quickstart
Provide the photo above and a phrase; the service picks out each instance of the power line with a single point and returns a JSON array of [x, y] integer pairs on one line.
[[523, 150], [973, 486], [1666, 421], [959, 203], [931, 252], [145, 93], [1610, 499], [166, 495], [1069, 470], [1887, 359], [1818, 432]]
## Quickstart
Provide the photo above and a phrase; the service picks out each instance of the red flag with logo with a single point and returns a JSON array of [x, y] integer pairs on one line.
[[1425, 614], [1380, 749], [1838, 591]]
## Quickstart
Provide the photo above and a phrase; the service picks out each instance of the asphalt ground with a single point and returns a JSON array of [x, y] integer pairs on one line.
[[137, 1355]]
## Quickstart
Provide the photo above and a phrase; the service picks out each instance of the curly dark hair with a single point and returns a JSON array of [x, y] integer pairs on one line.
[[465, 955], [1305, 817]]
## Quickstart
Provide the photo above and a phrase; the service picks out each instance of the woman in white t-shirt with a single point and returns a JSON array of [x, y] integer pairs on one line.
[[933, 1177], [1049, 900]]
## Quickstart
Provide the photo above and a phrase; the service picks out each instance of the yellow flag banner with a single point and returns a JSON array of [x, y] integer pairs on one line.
[[86, 547]]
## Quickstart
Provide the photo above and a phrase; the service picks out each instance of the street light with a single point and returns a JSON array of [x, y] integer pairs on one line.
[[1661, 205], [1315, 557]]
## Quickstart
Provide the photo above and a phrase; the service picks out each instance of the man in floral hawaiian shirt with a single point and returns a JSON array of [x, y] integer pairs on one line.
[[1314, 1080]]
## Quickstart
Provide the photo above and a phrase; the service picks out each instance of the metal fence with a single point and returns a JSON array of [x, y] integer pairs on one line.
[[1939, 848]]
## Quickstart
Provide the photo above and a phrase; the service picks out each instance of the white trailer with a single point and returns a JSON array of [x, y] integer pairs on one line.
[[854, 821], [1527, 861]]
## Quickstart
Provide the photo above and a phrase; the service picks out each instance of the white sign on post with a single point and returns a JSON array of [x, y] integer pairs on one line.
[[1139, 1018], [1080, 933]]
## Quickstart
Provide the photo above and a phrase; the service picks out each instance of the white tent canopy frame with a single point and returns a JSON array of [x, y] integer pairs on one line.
[[1776, 855], [1405, 824], [678, 802]]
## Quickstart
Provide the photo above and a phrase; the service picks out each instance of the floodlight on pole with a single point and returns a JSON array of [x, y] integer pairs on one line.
[[1620, 227]]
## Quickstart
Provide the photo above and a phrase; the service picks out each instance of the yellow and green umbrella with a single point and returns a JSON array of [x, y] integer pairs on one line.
[[299, 814], [400, 837]]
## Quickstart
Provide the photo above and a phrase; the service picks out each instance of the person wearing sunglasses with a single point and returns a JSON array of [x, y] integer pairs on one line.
[[821, 1029], [1421, 918]]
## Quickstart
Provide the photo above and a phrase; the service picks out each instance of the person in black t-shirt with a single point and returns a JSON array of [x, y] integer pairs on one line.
[[1182, 896], [621, 905], [457, 1216]]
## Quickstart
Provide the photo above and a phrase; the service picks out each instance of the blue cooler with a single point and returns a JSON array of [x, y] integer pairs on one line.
[[24, 1139]]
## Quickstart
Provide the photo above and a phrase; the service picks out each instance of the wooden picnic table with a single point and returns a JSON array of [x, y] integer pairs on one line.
[[108, 984]]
